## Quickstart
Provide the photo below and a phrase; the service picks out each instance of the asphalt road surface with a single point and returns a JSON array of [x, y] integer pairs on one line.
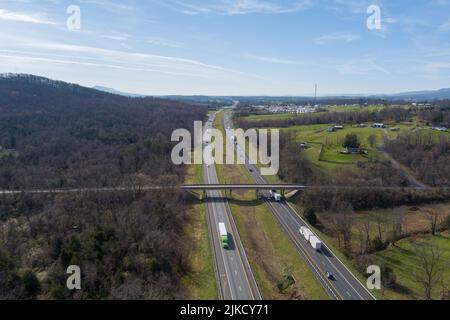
[[235, 278]]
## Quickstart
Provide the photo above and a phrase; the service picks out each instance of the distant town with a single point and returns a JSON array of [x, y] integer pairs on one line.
[[287, 108]]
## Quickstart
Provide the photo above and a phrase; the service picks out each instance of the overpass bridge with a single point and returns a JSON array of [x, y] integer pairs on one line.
[[257, 187], [282, 188]]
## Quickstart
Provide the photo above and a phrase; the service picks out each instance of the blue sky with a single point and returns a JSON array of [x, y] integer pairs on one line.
[[231, 47]]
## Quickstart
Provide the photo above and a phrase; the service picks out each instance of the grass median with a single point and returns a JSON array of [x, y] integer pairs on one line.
[[200, 283]]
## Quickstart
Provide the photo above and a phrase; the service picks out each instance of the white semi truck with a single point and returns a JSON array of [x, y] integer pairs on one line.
[[311, 238], [315, 243], [275, 196]]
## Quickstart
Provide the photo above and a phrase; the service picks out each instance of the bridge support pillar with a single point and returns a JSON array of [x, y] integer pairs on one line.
[[283, 192], [204, 194]]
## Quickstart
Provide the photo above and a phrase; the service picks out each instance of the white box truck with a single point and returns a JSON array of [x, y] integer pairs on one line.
[[315, 243], [275, 196]]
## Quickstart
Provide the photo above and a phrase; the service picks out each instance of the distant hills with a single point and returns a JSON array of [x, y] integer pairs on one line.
[[431, 95], [120, 93], [421, 95], [413, 96]]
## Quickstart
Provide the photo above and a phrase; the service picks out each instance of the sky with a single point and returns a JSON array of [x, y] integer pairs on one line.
[[230, 47]]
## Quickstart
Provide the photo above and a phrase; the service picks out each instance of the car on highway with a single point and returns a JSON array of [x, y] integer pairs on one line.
[[330, 276]]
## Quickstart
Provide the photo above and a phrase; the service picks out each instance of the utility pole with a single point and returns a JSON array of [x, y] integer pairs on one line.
[[315, 95]]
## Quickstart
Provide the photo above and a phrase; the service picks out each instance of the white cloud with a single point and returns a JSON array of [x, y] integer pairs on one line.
[[272, 60], [237, 7], [121, 59], [24, 17], [108, 5], [361, 67], [164, 42], [352, 6], [337, 37], [116, 37]]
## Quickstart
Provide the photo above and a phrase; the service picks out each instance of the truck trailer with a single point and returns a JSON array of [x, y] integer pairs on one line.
[[223, 235], [315, 243], [306, 233]]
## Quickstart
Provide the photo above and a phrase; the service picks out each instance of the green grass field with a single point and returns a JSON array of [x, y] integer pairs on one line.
[[404, 261], [201, 282]]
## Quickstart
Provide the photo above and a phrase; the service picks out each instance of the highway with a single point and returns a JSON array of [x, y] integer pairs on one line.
[[234, 275], [344, 286]]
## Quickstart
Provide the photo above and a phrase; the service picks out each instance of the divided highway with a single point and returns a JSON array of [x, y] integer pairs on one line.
[[344, 286], [234, 275]]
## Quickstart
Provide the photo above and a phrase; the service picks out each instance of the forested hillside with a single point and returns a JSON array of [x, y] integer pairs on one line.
[[128, 245], [65, 135]]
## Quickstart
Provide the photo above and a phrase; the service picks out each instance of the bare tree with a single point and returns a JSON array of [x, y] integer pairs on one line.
[[367, 227], [434, 219], [381, 225], [398, 224], [429, 266], [342, 222]]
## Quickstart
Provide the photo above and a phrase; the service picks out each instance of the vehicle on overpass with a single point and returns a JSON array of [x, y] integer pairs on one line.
[[223, 235]]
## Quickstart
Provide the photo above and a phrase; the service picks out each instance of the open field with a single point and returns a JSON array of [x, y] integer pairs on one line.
[[404, 261], [324, 148]]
